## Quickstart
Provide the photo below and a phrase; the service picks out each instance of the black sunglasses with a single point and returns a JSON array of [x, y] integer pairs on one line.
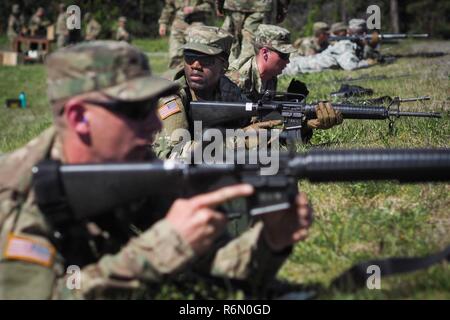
[[205, 60], [132, 110], [283, 56]]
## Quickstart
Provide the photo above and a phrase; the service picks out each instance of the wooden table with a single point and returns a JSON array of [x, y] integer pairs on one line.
[[23, 44]]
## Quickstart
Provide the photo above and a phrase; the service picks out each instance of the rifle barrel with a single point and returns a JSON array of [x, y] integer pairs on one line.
[[415, 114], [413, 165]]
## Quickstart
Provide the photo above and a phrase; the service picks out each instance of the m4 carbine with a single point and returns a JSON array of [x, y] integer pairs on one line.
[[293, 114], [376, 37], [89, 190]]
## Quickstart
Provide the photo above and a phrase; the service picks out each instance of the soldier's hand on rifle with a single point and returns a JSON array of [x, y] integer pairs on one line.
[[196, 220], [327, 117], [282, 230], [162, 30]]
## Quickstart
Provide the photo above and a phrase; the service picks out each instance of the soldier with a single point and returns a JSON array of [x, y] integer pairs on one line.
[[366, 49], [61, 27], [343, 54], [242, 18], [184, 13], [313, 45], [93, 28], [338, 29], [39, 23], [16, 23], [119, 262], [260, 72], [203, 78], [122, 34]]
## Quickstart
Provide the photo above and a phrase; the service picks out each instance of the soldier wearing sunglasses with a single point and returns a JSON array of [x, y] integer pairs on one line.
[[202, 78]]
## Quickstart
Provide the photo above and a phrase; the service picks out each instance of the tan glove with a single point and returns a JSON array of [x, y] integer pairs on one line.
[[252, 141], [327, 117]]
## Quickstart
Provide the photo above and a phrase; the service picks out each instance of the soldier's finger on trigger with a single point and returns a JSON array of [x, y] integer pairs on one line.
[[222, 195]]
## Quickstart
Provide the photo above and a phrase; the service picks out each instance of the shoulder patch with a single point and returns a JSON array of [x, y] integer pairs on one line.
[[27, 249], [168, 109]]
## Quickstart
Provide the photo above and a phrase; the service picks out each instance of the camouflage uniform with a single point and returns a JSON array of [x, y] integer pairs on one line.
[[173, 10], [338, 27], [122, 34], [242, 18], [174, 110], [38, 25], [34, 256], [93, 28], [342, 54], [366, 50], [16, 23], [247, 76], [310, 45], [61, 30]]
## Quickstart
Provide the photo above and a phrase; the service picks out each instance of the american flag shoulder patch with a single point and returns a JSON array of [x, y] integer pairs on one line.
[[169, 109], [29, 250]]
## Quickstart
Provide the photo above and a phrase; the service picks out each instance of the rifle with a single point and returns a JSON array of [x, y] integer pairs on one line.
[[83, 191], [293, 113], [376, 37]]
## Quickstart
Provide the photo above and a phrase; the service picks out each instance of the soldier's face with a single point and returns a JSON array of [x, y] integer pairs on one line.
[[121, 136], [202, 71], [275, 63]]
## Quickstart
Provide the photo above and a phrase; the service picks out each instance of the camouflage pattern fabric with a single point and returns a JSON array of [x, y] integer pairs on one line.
[[146, 260], [93, 29], [16, 23], [117, 69], [33, 258], [168, 148], [208, 40], [248, 79], [173, 12], [123, 35], [61, 30], [38, 25], [343, 54], [308, 46]]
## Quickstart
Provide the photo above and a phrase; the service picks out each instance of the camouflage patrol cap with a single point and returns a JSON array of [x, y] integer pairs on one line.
[[357, 25], [274, 37], [208, 40], [338, 26], [122, 19], [114, 68], [320, 26]]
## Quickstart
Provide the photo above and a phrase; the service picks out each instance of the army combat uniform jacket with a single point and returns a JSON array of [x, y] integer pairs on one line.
[[37, 262], [343, 54], [175, 114], [247, 77]]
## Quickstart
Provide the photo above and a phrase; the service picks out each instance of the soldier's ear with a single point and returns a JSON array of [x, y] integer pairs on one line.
[[265, 53], [75, 116]]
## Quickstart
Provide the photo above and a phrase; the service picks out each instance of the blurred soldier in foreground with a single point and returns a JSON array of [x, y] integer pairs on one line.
[[242, 18], [182, 13], [16, 23], [39, 23], [93, 28], [312, 45], [103, 99], [260, 72], [61, 27], [203, 78], [122, 34]]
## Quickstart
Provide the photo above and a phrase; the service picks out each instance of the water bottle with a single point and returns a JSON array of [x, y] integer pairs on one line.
[[23, 100]]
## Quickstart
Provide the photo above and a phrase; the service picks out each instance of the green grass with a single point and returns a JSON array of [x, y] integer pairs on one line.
[[354, 222]]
